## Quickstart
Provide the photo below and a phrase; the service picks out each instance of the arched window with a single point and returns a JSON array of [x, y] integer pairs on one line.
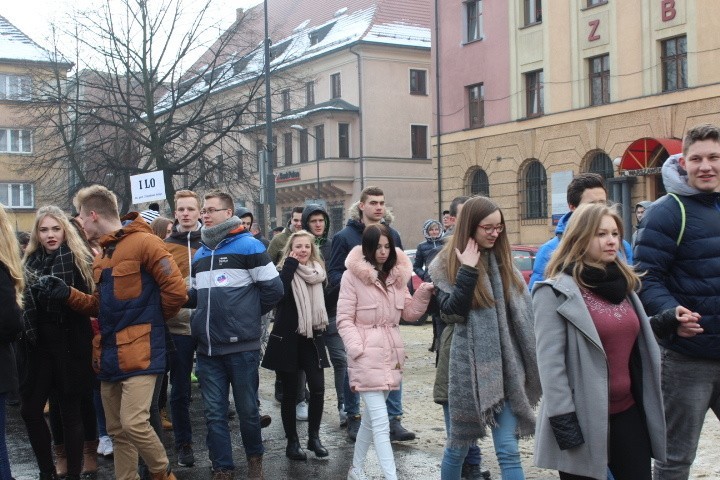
[[479, 184], [534, 196], [601, 163]]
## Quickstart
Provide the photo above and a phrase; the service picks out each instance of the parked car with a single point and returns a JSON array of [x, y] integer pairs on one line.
[[524, 258]]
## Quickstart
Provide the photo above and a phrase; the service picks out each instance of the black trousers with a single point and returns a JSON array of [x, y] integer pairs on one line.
[[630, 452]]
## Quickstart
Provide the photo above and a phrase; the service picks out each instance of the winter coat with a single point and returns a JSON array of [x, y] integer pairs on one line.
[[574, 376], [138, 287], [182, 246], [368, 317], [426, 251], [284, 341], [542, 257], [10, 327], [234, 284], [685, 274], [325, 245]]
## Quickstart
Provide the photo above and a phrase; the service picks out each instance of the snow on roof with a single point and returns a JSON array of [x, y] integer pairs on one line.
[[399, 34], [16, 46]]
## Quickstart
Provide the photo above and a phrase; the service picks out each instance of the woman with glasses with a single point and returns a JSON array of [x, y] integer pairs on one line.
[[493, 379]]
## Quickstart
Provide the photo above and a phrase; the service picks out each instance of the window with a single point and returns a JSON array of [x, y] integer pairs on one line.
[[535, 193], [418, 82], [674, 63], [15, 87], [418, 141], [479, 184], [15, 141], [310, 94], [240, 159], [473, 20], [288, 141], [533, 11], [602, 164], [303, 146], [476, 105], [260, 108], [319, 141], [343, 140], [17, 195], [534, 93], [592, 3], [335, 85], [286, 100], [600, 80], [336, 213]]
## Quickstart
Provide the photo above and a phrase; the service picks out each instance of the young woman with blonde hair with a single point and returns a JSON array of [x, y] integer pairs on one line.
[[12, 285], [599, 361], [493, 380], [57, 340], [296, 341]]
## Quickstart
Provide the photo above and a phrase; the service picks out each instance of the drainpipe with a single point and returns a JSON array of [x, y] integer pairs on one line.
[[437, 108], [362, 150]]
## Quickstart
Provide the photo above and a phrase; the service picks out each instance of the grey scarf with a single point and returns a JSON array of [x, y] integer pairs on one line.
[[492, 359], [212, 236]]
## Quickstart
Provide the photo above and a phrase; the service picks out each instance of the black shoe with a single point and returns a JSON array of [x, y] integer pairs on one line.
[[265, 421], [353, 426], [314, 445], [398, 433], [474, 472], [185, 455], [293, 450], [230, 414]]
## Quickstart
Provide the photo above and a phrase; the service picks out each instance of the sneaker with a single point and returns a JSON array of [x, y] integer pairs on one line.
[[353, 426], [342, 415], [265, 421], [221, 474], [166, 423], [398, 433], [474, 472], [185, 455], [301, 411], [356, 474], [105, 446], [193, 378]]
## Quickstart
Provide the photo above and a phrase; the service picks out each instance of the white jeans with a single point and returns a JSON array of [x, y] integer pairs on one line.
[[375, 426]]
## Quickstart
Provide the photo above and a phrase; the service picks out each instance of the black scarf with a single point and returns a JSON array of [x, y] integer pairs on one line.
[[609, 282]]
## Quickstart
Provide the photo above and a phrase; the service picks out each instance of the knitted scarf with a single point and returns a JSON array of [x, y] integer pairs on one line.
[[609, 282], [309, 300], [492, 359], [212, 236]]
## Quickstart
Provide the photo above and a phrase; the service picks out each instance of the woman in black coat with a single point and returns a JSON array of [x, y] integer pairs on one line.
[[296, 341], [57, 340], [11, 288]]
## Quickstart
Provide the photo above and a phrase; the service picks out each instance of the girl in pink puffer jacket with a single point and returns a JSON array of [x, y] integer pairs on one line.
[[373, 297]]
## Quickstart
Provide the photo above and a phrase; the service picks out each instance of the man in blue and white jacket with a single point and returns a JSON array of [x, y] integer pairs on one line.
[[234, 283]]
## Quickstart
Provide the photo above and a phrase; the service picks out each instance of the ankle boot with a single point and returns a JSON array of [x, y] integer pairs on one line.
[[90, 465], [60, 460], [293, 450], [315, 445]]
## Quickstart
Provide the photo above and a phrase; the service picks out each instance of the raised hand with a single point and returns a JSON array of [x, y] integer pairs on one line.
[[471, 255]]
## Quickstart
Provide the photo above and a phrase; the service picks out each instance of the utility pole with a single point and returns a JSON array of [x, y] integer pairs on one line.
[[269, 145]]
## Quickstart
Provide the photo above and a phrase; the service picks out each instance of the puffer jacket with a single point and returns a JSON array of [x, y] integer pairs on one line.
[[182, 246], [368, 316], [426, 251], [139, 286], [685, 274]]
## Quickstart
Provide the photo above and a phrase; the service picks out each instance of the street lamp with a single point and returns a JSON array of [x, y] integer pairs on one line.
[[300, 128]]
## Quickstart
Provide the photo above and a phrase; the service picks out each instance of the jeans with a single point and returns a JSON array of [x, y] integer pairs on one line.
[[473, 457], [217, 374], [375, 428], [338, 358], [506, 450], [4, 460], [690, 387], [99, 413], [352, 401], [181, 364]]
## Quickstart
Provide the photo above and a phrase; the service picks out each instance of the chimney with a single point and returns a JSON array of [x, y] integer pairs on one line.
[[239, 14]]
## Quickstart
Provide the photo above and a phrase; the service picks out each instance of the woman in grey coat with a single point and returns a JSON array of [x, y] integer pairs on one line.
[[599, 362]]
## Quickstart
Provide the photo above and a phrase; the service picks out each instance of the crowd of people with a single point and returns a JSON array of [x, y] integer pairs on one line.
[[609, 358]]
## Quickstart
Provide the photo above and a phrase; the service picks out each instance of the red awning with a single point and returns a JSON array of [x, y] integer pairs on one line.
[[645, 152]]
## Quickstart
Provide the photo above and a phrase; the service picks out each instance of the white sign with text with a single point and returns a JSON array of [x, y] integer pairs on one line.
[[147, 187]]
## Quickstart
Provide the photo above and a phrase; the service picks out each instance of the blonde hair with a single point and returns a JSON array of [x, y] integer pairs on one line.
[[10, 255], [572, 251], [314, 254], [82, 256], [473, 212], [98, 199]]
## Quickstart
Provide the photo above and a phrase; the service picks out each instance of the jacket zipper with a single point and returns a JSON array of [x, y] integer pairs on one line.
[[207, 321]]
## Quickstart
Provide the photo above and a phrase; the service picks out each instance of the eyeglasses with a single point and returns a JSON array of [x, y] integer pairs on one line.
[[210, 211], [489, 229]]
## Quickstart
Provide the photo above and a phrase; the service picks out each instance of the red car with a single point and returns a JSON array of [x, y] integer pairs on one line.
[[524, 258]]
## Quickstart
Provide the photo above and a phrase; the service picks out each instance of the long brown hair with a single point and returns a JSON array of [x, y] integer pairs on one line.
[[471, 215], [581, 229]]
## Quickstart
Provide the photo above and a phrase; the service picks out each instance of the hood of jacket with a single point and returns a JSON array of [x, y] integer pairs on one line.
[[182, 237], [426, 227], [361, 268], [675, 177], [354, 213], [131, 223], [310, 210], [242, 212]]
